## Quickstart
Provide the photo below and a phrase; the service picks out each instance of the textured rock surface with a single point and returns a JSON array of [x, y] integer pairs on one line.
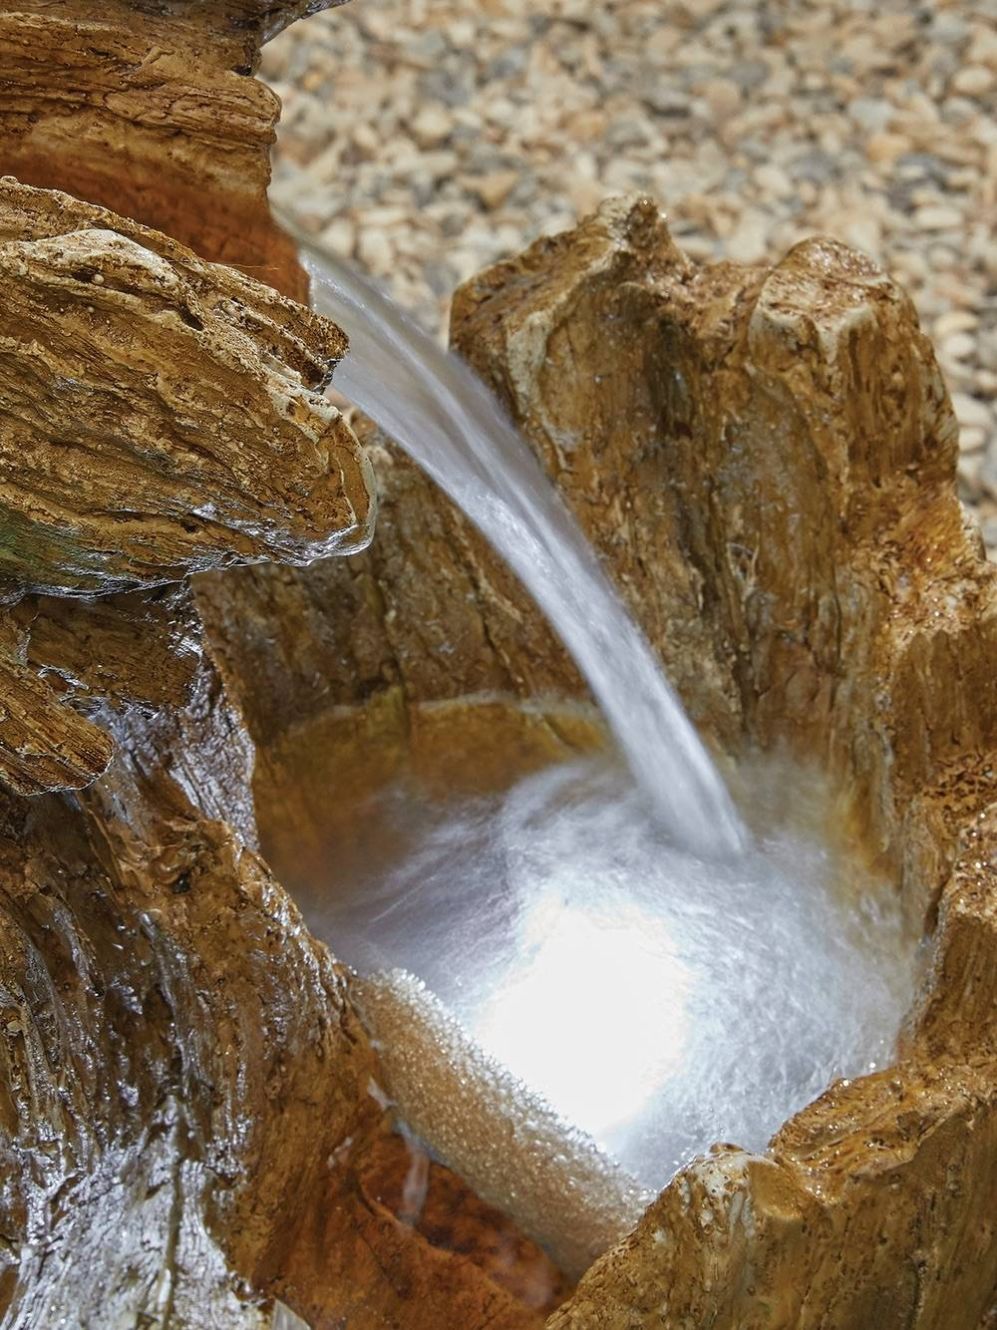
[[147, 109], [765, 457], [797, 455], [159, 991], [182, 1066], [228, 1162], [43, 744], [766, 462], [161, 415]]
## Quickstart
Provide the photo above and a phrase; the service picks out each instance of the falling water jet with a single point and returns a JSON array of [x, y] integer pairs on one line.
[[435, 408]]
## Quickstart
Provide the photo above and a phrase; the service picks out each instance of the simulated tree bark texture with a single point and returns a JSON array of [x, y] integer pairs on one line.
[[158, 415], [193, 1118], [765, 457], [148, 109], [796, 458], [792, 467]]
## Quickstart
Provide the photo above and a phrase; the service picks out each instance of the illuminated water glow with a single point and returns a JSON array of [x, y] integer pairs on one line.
[[661, 983], [656, 1001], [553, 997]]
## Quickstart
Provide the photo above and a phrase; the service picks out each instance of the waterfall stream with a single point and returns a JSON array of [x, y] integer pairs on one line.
[[434, 407]]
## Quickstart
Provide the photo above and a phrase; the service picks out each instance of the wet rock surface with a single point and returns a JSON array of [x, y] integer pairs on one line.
[[161, 415], [225, 1163], [766, 458], [803, 421]]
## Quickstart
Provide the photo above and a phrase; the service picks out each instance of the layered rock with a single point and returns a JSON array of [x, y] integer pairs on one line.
[[164, 414], [160, 415], [148, 109], [796, 456], [765, 458]]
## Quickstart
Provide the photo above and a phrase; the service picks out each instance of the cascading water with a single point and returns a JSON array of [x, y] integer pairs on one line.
[[602, 992], [431, 404]]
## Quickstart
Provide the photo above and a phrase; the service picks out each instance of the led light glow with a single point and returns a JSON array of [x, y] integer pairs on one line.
[[657, 1002], [559, 1017]]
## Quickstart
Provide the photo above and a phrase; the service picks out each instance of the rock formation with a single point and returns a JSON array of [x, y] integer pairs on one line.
[[148, 109], [786, 444], [161, 415], [765, 457], [193, 1118]]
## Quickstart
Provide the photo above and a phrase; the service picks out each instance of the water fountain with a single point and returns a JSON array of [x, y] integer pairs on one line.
[[736, 455], [763, 459], [545, 920]]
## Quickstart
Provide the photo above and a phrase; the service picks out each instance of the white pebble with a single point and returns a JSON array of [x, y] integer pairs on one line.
[[972, 440], [432, 126], [974, 81], [938, 217], [959, 346], [972, 413]]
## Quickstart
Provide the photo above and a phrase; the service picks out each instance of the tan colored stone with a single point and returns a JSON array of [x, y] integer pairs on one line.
[[81, 95], [495, 187], [974, 81], [767, 468], [432, 126], [161, 415], [140, 909], [800, 415], [769, 475]]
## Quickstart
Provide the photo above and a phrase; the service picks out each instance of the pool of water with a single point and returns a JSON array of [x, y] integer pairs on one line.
[[652, 1001]]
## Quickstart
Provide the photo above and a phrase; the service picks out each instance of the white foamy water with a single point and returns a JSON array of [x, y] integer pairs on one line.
[[656, 1003], [431, 405]]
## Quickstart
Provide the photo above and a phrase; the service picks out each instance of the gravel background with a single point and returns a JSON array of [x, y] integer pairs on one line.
[[426, 138]]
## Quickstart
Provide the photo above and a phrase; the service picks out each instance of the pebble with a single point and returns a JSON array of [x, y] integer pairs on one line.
[[971, 474], [340, 236], [432, 126], [938, 218], [864, 233], [773, 181], [493, 189], [723, 97], [883, 149], [871, 113], [972, 439], [428, 138], [374, 251], [986, 475], [957, 346], [974, 81], [953, 321], [972, 413]]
